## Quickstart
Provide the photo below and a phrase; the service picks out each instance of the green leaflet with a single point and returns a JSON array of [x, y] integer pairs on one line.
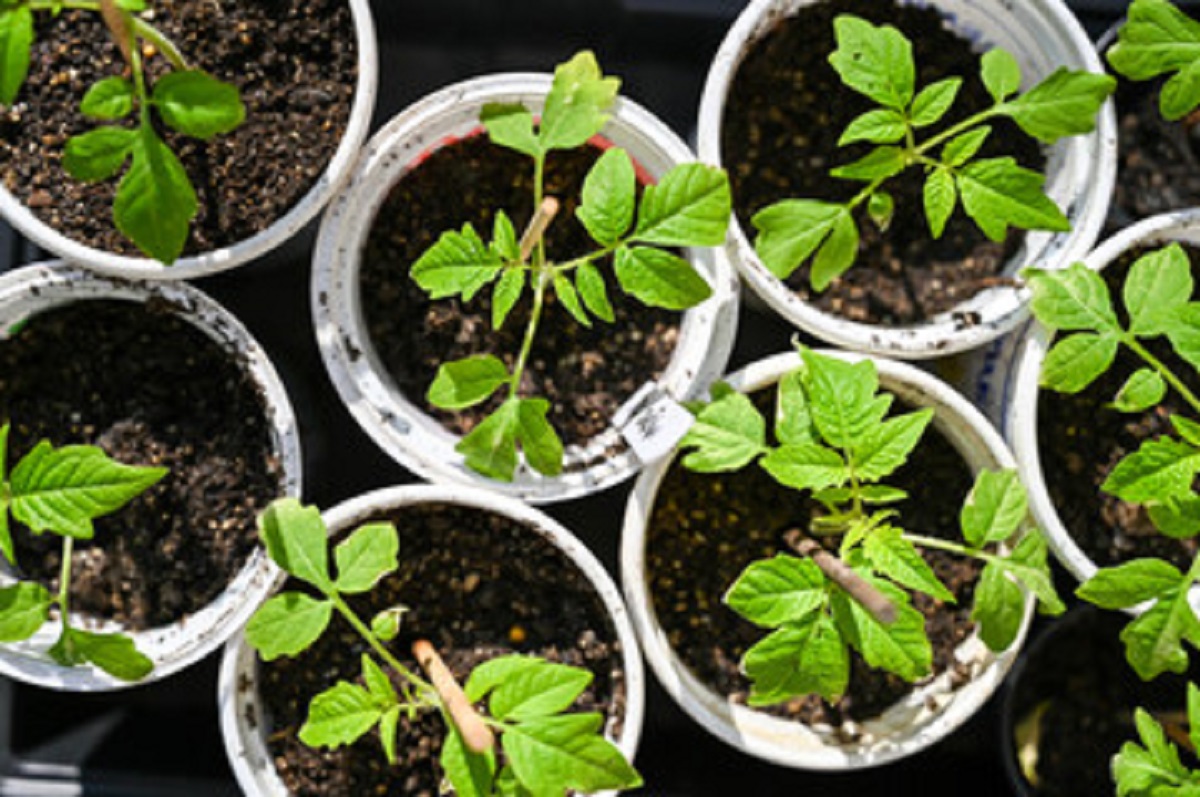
[[511, 125], [895, 558], [609, 197], [1158, 285], [1064, 104], [295, 537], [155, 201], [999, 608], [1162, 468], [465, 383], [1000, 73], [111, 98], [1154, 767], [933, 101], [1129, 584], [540, 691], [1076, 361], [689, 206], [1072, 299], [728, 434], [941, 197], [506, 294], [885, 446], [578, 104], [594, 292], [287, 624], [842, 397], [366, 556], [459, 264], [16, 41], [1158, 38], [962, 148], [772, 592], [197, 104], [789, 232], [660, 279], [1177, 517], [994, 509], [800, 658], [24, 608], [115, 654], [554, 754], [880, 126], [491, 447], [1144, 389], [471, 774], [874, 61], [340, 715], [997, 193], [806, 466], [900, 648]]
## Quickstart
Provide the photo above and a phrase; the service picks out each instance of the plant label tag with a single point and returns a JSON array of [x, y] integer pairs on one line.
[[652, 422]]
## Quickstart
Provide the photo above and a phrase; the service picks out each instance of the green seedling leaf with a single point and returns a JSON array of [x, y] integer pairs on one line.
[[806, 466], [510, 125], [507, 785], [1154, 641], [16, 42], [999, 608], [837, 254], [1143, 390], [885, 447], [994, 509], [772, 592], [660, 279], [288, 624], [792, 230], [1188, 430], [115, 654], [894, 557], [63, 490], [1183, 330], [366, 556], [1158, 38], [689, 206], [874, 61], [379, 686], [1078, 360], [881, 207], [506, 294], [900, 648], [389, 725], [609, 197], [491, 447], [538, 692], [155, 201], [727, 435], [568, 297], [940, 197], [340, 715], [196, 104], [98, 154], [1127, 585], [842, 397], [933, 101], [997, 193], [1064, 104], [880, 126], [1001, 74], [793, 418], [470, 774], [459, 264], [1177, 517], [1152, 769], [1072, 299], [24, 608], [594, 292], [1028, 565], [295, 537], [879, 164], [1162, 468], [962, 148], [504, 238], [386, 624], [1158, 285], [465, 383], [578, 104], [799, 659], [492, 673], [541, 444], [111, 98], [556, 754]]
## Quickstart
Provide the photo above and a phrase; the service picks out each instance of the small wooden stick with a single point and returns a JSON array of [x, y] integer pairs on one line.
[[871, 599], [475, 734], [114, 18], [537, 226]]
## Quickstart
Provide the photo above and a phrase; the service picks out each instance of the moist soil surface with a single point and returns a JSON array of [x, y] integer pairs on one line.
[[150, 389], [1081, 440], [586, 374], [780, 135], [295, 66], [478, 585], [1088, 693], [705, 530]]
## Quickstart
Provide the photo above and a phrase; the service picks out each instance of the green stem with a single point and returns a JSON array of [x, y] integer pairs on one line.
[[142, 28], [954, 130], [64, 581], [535, 317], [571, 265], [947, 545], [422, 686], [1165, 372]]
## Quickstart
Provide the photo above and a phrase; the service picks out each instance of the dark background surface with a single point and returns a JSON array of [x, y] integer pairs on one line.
[[164, 739]]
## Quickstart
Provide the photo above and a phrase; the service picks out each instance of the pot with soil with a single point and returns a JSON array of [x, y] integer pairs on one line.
[[909, 294], [155, 374], [259, 111], [481, 577], [391, 348], [817, 693]]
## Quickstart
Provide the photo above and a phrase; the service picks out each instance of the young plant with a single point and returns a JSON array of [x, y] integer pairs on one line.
[[836, 441], [155, 201], [546, 751], [1154, 768], [689, 206], [61, 491], [1156, 39], [995, 192], [1160, 475]]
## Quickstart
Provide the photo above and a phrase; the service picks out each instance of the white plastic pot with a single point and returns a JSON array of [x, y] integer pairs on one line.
[[244, 721], [188, 267], [28, 291], [1007, 382], [401, 428], [1042, 35], [933, 709]]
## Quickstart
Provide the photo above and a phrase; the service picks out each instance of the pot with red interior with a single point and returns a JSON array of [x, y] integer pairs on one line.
[[564, 333]]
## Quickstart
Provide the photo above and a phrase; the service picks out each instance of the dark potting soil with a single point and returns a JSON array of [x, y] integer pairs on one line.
[[786, 110], [586, 374], [150, 389], [294, 63], [705, 530], [478, 585], [1077, 675], [1081, 440]]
